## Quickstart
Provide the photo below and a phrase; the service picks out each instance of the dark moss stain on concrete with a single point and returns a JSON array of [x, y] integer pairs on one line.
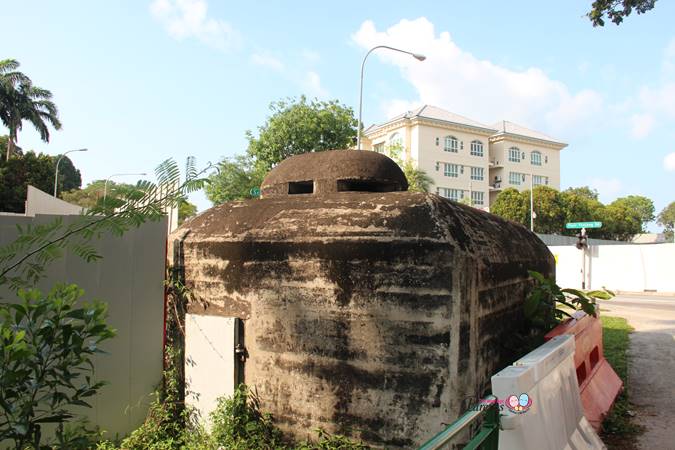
[[349, 297]]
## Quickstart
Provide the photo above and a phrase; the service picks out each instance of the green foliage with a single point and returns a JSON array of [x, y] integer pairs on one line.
[[186, 210], [511, 204], [666, 219], [20, 100], [48, 343], [637, 203], [234, 180], [238, 423], [168, 425], [621, 219], [23, 261], [418, 179], [617, 10], [30, 168], [619, 426], [90, 195], [547, 304], [301, 126], [295, 126]]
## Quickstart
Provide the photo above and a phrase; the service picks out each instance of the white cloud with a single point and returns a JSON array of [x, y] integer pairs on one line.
[[669, 162], [608, 188], [457, 80], [312, 85], [641, 125], [395, 107], [310, 56], [184, 19], [268, 61]]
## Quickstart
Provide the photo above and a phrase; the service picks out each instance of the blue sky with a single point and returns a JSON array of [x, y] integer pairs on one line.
[[137, 82]]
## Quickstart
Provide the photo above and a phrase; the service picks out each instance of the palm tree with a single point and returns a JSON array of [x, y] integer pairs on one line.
[[20, 100]]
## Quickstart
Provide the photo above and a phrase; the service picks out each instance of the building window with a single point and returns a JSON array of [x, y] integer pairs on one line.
[[514, 154], [451, 170], [476, 148], [538, 180], [450, 144], [395, 140], [535, 158], [477, 198], [379, 148], [515, 178], [477, 173], [452, 194]]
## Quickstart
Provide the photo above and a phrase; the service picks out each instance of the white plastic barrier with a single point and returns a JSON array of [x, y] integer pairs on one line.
[[554, 420]]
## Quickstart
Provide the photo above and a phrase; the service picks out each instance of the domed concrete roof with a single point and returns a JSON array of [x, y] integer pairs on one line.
[[334, 171]]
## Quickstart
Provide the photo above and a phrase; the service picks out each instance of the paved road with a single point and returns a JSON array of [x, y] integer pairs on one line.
[[652, 363]]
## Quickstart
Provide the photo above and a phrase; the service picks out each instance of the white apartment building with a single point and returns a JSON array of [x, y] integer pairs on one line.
[[470, 161]]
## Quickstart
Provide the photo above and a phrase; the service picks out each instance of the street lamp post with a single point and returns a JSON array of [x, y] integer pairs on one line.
[[56, 171], [105, 185], [531, 203], [417, 56]]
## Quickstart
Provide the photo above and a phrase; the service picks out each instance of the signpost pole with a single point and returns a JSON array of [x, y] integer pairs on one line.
[[583, 262]]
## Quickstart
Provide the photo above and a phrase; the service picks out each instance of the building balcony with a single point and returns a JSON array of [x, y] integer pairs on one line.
[[496, 187], [495, 164]]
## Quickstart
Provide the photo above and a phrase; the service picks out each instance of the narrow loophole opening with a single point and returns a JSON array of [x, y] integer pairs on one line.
[[581, 373], [595, 357], [300, 187]]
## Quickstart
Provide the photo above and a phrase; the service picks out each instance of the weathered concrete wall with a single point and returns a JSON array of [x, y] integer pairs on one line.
[[370, 314]]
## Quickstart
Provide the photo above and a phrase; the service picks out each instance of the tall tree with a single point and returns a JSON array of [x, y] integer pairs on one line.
[[666, 219], [620, 222], [617, 10], [20, 100], [549, 209], [581, 205], [642, 205], [295, 126], [301, 126], [36, 169], [235, 179], [511, 204]]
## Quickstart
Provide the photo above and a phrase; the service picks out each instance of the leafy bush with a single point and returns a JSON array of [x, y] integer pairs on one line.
[[546, 303], [47, 347], [239, 424]]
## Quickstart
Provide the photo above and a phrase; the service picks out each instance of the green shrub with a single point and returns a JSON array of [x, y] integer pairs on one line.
[[46, 368], [238, 423]]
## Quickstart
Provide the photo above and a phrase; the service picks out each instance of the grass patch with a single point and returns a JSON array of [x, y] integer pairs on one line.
[[619, 430]]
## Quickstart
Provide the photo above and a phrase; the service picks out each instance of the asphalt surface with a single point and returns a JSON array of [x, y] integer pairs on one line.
[[652, 363]]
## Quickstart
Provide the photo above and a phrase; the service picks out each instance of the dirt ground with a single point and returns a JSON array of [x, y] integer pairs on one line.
[[652, 364]]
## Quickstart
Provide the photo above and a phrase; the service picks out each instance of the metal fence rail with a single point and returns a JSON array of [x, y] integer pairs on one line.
[[486, 439]]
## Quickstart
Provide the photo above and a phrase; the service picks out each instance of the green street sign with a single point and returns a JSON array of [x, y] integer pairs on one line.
[[579, 225]]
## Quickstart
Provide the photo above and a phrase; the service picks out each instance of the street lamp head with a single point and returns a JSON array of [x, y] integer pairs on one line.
[[419, 57]]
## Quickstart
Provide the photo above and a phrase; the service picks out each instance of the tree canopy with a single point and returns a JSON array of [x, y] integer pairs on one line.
[[20, 100], [617, 10], [666, 219], [301, 126], [622, 219], [32, 168], [295, 126]]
